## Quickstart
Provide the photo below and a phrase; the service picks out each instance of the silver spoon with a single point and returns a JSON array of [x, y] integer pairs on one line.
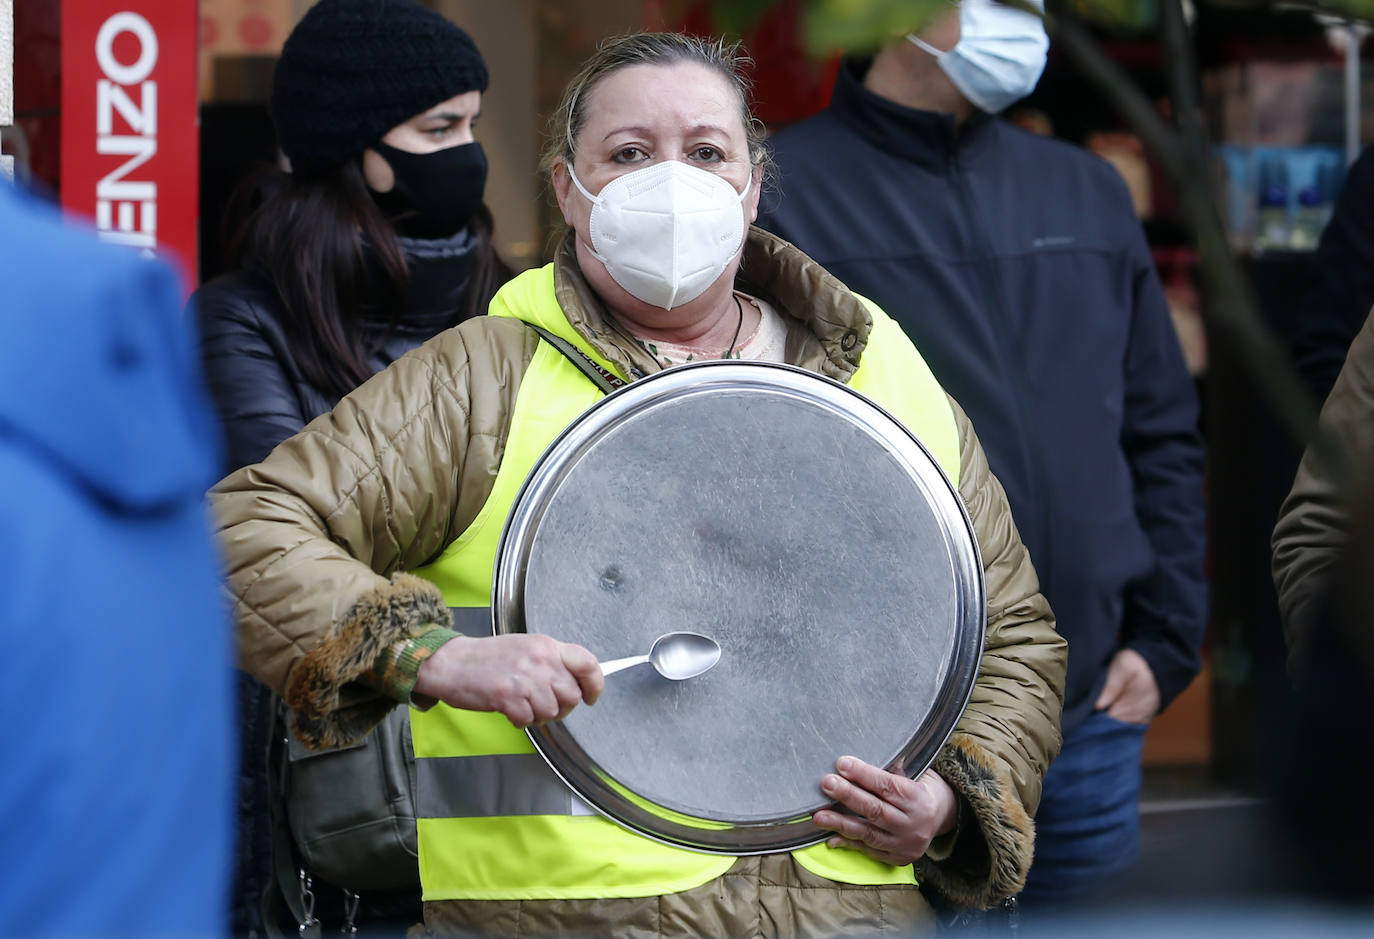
[[677, 656]]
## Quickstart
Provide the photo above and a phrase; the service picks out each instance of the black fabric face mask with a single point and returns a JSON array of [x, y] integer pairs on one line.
[[436, 194]]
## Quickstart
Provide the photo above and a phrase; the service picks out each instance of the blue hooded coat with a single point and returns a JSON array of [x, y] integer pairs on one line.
[[115, 793]]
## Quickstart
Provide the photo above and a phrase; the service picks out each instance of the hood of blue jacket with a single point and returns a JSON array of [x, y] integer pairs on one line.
[[98, 370]]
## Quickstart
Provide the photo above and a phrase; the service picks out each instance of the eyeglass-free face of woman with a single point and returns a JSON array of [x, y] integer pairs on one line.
[[640, 116], [448, 124], [428, 173]]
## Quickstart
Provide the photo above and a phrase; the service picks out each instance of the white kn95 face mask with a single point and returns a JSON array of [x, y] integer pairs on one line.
[[667, 232]]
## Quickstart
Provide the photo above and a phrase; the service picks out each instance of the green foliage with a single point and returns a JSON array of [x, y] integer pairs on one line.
[[1118, 15], [863, 25], [836, 25], [1143, 15], [1358, 9]]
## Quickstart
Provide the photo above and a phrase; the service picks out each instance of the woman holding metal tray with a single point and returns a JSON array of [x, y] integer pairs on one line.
[[857, 748]]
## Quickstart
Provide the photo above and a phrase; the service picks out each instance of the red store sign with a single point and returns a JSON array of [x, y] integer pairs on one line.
[[130, 147]]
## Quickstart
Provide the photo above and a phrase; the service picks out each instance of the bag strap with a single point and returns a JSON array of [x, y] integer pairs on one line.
[[293, 885], [603, 379]]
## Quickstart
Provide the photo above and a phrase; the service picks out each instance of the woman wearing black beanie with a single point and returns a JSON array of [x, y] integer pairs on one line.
[[372, 238]]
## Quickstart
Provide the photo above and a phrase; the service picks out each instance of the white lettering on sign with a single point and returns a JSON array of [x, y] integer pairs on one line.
[[126, 206], [147, 48]]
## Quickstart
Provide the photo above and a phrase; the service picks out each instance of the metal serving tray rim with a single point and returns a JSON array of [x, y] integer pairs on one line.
[[565, 756]]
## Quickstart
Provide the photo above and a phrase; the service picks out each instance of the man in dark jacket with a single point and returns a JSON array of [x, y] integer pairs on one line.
[[1017, 265]]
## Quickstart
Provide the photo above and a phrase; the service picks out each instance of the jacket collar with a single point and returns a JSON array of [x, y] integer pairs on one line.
[[927, 138], [828, 325]]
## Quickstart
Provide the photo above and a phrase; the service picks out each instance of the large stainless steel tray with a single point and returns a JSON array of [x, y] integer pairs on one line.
[[799, 525]]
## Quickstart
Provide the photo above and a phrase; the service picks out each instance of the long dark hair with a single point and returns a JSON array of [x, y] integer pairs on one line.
[[312, 237]]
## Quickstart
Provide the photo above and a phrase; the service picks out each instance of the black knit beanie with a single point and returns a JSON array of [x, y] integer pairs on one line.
[[353, 69]]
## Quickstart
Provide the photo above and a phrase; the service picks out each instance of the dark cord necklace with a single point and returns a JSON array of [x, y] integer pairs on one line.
[[652, 349], [738, 326]]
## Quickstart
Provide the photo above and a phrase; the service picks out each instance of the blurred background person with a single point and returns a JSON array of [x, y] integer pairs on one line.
[[1018, 267], [1313, 535], [115, 797], [374, 239], [656, 164], [1324, 565], [1340, 290], [1323, 562]]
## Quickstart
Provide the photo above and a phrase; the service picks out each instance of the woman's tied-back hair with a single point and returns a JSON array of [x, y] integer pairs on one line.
[[726, 58]]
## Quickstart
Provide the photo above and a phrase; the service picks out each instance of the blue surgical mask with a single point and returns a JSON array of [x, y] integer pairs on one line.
[[1000, 54]]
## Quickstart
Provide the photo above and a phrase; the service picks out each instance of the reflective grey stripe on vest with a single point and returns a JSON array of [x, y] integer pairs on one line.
[[486, 786], [490, 785], [471, 620]]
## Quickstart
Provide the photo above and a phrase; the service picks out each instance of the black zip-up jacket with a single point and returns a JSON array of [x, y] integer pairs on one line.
[[262, 395], [1018, 267]]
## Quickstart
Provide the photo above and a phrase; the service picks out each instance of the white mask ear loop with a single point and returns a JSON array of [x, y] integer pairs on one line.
[[748, 182], [920, 43], [594, 200]]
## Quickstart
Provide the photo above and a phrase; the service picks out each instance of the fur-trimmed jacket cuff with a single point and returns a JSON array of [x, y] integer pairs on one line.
[[990, 859], [330, 708]]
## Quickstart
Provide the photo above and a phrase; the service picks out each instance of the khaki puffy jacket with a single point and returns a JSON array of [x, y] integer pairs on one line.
[[318, 538]]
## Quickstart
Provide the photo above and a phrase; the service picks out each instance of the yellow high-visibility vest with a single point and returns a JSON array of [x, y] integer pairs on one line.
[[495, 823]]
